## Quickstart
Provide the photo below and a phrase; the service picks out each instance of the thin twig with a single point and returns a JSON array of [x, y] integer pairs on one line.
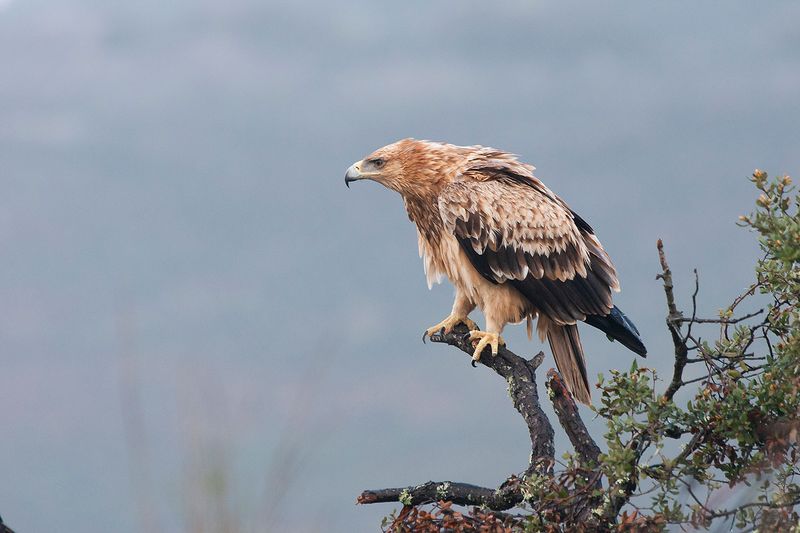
[[739, 299], [694, 306], [726, 321]]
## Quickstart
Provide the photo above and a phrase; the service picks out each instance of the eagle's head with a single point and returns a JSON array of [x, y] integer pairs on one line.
[[410, 167]]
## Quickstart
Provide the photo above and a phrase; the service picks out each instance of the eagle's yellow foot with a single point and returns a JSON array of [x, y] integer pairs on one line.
[[485, 339], [448, 324]]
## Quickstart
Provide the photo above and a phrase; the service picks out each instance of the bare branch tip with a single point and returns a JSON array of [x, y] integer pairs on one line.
[[537, 360]]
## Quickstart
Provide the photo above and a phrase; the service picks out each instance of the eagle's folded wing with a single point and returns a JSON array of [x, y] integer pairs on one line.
[[515, 230]]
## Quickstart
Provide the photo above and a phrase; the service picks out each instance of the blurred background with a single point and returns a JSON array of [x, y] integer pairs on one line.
[[202, 329]]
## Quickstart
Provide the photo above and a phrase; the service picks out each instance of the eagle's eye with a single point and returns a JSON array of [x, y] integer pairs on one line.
[[378, 162]]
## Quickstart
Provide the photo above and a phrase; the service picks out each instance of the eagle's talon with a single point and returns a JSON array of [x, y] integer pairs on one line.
[[426, 335], [446, 326], [485, 338]]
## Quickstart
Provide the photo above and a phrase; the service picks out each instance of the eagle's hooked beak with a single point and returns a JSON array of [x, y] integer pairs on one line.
[[353, 174]]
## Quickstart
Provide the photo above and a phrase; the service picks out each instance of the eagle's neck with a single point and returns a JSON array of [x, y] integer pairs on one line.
[[424, 212]]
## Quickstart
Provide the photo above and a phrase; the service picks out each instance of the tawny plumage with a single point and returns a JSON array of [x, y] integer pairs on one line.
[[509, 245]]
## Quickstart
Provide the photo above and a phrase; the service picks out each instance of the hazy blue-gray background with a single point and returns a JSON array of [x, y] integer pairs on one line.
[[192, 303]]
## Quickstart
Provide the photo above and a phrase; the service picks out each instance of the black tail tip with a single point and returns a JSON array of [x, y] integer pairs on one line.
[[632, 340], [619, 327]]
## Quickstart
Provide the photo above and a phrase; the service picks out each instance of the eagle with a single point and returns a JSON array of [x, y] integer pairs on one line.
[[508, 244]]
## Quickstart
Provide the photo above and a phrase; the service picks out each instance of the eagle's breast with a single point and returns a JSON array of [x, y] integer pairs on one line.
[[443, 256]]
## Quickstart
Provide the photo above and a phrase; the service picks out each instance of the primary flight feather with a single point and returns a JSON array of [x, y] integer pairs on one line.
[[509, 245]]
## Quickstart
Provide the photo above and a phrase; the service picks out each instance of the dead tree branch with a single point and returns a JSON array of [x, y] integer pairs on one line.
[[520, 374], [567, 412], [674, 320], [459, 493]]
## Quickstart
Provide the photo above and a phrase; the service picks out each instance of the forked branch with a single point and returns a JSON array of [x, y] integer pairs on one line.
[[520, 374]]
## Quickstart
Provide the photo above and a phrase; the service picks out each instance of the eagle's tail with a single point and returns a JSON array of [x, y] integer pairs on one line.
[[565, 344]]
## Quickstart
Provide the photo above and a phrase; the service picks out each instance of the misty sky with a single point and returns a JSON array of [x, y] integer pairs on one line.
[[191, 300]]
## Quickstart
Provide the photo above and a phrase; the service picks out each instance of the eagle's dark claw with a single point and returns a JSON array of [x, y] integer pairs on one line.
[[434, 335], [439, 336]]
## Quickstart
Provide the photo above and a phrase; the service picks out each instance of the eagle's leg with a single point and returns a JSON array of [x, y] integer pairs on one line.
[[491, 337], [461, 308]]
